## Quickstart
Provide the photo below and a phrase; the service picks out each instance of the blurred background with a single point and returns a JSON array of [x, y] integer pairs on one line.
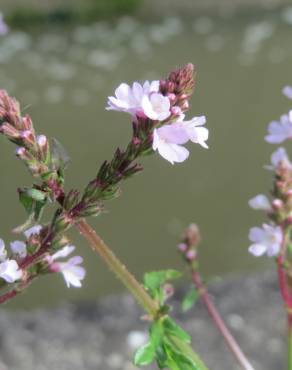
[[62, 59]]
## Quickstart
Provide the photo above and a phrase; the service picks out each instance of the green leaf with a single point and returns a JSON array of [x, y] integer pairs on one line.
[[156, 334], [35, 194], [172, 328], [144, 355], [33, 201], [153, 280], [177, 360], [190, 299]]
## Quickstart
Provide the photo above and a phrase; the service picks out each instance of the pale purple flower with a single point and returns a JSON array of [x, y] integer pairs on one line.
[[167, 141], [260, 202], [3, 251], [196, 133], [34, 230], [279, 157], [9, 271], [3, 26], [266, 240], [18, 248], [156, 106], [140, 100], [287, 91], [280, 131], [71, 271]]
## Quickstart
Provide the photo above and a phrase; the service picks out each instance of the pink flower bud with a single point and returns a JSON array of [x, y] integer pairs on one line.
[[27, 123], [182, 247], [25, 134], [136, 141], [171, 97], [42, 140], [191, 255], [21, 152], [185, 105], [277, 204], [176, 110]]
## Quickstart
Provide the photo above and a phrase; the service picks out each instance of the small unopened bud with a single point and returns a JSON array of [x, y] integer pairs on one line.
[[27, 136], [176, 111], [136, 141], [170, 87], [27, 123], [191, 255], [21, 152], [192, 235], [182, 247], [42, 140], [185, 105], [289, 193], [277, 204], [171, 97]]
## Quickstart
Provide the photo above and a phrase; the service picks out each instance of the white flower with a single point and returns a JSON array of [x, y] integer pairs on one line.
[[140, 100], [196, 133], [287, 91], [18, 248], [168, 139], [3, 251], [64, 252], [267, 240], [34, 230], [71, 271], [279, 158], [9, 271], [156, 106], [280, 131], [73, 274], [260, 202]]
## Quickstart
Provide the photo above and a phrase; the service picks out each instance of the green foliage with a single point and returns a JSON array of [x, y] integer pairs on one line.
[[87, 10], [190, 299], [33, 201], [154, 281], [163, 347]]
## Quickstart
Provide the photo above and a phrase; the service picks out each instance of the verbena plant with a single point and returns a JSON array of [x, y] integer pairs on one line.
[[157, 112]]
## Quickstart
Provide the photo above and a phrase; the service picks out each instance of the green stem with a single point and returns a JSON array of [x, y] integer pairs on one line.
[[99, 246], [130, 282], [187, 350]]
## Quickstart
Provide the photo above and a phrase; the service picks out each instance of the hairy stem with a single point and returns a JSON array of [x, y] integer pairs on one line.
[[130, 282], [229, 339]]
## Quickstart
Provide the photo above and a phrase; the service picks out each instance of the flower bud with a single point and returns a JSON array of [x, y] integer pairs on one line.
[[176, 111], [277, 204], [171, 97], [182, 247], [191, 255], [42, 140]]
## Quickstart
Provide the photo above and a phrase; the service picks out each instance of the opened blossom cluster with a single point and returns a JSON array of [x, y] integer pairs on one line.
[[269, 238], [171, 130], [10, 268]]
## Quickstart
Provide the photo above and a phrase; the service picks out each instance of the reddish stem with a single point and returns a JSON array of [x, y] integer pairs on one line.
[[230, 340], [8, 295], [284, 288], [13, 292]]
